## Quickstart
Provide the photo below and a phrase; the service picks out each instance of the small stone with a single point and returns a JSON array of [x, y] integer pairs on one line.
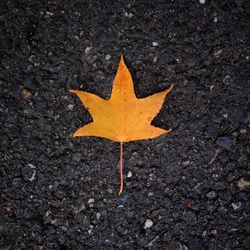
[[91, 201], [47, 217], [29, 172], [79, 208], [211, 195], [235, 134], [218, 53], [148, 223], [155, 44], [243, 183], [54, 222], [215, 20], [185, 163], [8, 210], [129, 175], [236, 205], [225, 142], [110, 190], [182, 247], [107, 57], [25, 93], [214, 232], [31, 58], [87, 50], [48, 13], [128, 14], [98, 215], [70, 106], [122, 230], [227, 79], [202, 1], [204, 234], [90, 229], [243, 131]]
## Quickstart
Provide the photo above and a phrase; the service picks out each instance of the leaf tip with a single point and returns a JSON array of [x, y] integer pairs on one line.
[[122, 59], [170, 87]]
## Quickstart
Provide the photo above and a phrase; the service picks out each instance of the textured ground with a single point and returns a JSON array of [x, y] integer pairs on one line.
[[188, 189]]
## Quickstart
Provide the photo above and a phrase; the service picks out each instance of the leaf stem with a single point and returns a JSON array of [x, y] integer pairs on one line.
[[121, 168]]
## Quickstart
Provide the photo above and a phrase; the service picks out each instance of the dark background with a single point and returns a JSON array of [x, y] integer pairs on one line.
[[59, 192]]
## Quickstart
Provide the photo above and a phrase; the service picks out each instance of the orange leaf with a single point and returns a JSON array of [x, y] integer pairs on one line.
[[123, 117]]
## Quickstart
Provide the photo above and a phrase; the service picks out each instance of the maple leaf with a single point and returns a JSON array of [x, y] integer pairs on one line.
[[123, 117]]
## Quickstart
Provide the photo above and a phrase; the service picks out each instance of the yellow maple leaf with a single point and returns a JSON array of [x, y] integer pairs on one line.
[[123, 117]]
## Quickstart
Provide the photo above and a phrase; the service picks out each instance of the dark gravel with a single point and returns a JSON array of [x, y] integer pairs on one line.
[[186, 190]]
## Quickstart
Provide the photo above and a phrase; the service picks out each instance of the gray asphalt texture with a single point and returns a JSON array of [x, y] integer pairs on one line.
[[185, 190]]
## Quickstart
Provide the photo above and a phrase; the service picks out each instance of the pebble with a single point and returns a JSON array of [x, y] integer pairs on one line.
[[98, 215], [122, 230], [202, 1], [48, 13], [235, 134], [214, 232], [29, 172], [182, 246], [236, 205], [148, 223], [31, 58], [129, 175], [227, 79], [70, 106], [87, 50], [91, 201], [218, 53], [25, 93], [78, 209], [204, 234], [185, 163], [90, 229], [225, 142], [110, 190], [242, 183], [243, 131], [211, 194], [107, 57], [128, 14], [155, 44]]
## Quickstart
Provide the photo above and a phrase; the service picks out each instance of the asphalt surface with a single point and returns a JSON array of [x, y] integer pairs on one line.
[[185, 190]]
